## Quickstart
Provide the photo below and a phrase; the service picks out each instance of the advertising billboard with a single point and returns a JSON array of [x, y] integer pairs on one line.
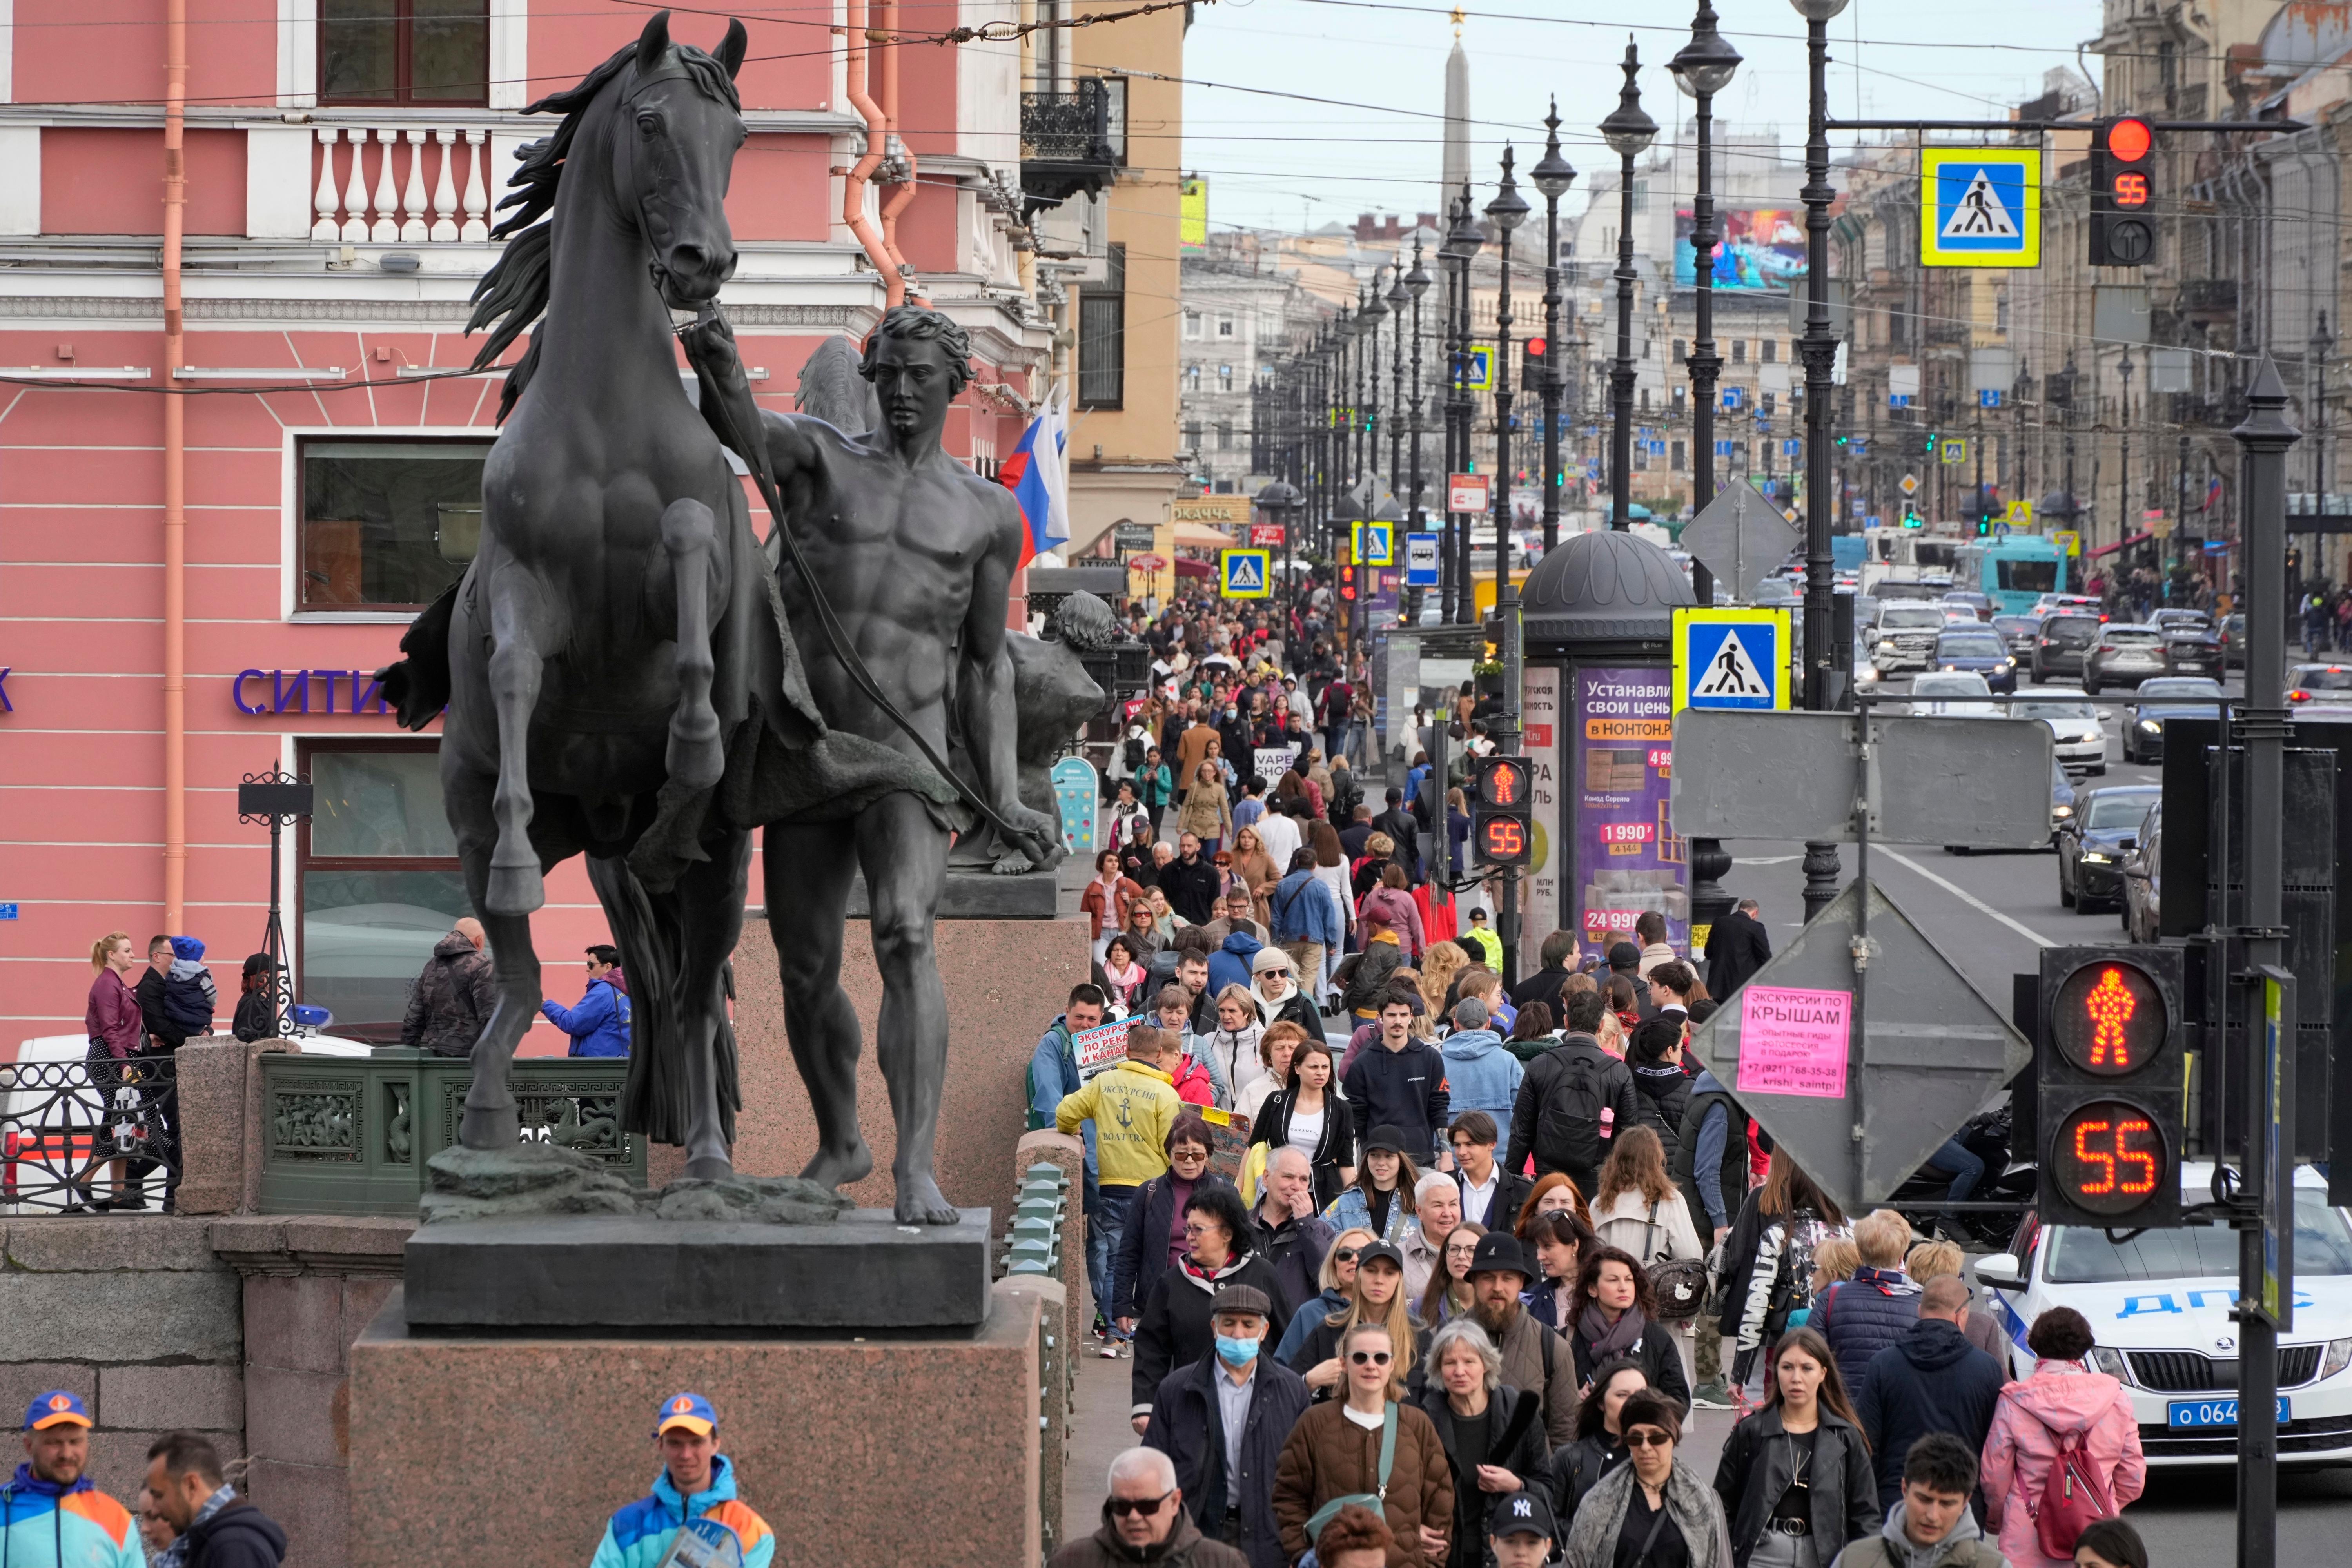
[[1762, 249], [1627, 858]]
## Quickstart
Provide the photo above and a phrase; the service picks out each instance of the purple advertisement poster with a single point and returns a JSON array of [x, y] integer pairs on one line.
[[1627, 859]]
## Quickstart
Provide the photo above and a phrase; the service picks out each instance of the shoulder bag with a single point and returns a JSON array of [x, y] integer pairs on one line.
[[1679, 1283]]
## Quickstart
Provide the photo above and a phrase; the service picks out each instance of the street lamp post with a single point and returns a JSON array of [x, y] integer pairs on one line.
[[1399, 297], [1450, 262], [2123, 470], [2314, 414], [1819, 349], [1552, 175], [1416, 284], [1368, 320], [1701, 68], [1507, 212], [1465, 242], [1628, 131]]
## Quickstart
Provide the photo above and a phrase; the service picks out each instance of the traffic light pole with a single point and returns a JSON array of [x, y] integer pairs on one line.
[[2262, 440]]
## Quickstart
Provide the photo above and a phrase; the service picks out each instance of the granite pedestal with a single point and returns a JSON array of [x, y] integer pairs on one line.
[[856, 1451]]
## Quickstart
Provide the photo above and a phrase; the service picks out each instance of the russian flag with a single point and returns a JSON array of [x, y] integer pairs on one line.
[[1037, 474]]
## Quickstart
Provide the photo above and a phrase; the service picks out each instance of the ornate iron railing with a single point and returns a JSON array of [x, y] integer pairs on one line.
[[352, 1134], [1088, 125], [78, 1139]]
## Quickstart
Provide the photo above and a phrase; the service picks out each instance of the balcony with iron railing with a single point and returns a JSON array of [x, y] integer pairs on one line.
[[1073, 141]]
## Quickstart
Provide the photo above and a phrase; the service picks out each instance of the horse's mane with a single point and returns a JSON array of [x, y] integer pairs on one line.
[[512, 293]]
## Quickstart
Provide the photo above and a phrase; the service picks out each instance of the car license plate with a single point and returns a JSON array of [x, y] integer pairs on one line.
[[2187, 1415]]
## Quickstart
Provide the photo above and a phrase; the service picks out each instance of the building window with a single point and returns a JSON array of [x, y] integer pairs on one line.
[[1680, 348], [1224, 326], [1645, 400], [1739, 350], [1191, 378], [1225, 378], [1682, 455], [388, 524], [1678, 393], [1191, 437], [1193, 325], [405, 52], [1768, 400], [377, 880], [1102, 336], [1224, 437], [1770, 349]]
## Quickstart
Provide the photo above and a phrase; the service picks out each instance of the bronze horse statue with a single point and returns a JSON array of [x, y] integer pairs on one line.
[[598, 655]]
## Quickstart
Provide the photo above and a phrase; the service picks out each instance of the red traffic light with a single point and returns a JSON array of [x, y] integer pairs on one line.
[[1505, 784], [2109, 1019], [1536, 347], [2128, 140]]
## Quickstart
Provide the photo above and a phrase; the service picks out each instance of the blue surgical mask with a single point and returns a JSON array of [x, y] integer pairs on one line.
[[1236, 1352]]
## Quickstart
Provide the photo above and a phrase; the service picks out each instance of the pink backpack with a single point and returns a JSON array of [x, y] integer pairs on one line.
[[2072, 1497]]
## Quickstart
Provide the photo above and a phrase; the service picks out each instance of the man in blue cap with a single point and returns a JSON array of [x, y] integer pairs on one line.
[[51, 1515], [694, 1490]]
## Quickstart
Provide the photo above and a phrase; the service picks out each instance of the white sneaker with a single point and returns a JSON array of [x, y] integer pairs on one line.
[[1110, 1350]]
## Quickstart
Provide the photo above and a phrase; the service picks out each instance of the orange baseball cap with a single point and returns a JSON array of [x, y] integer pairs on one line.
[[688, 1410], [58, 1407]]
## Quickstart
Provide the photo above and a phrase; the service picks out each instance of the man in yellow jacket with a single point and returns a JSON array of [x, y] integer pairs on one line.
[[1133, 1107]]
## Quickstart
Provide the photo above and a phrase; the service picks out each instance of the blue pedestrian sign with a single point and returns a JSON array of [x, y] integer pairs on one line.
[[7, 912], [1421, 560], [1375, 544], [1732, 657], [1980, 206], [1245, 573]]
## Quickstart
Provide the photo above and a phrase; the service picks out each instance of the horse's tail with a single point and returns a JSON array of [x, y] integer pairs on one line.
[[655, 1100], [418, 684]]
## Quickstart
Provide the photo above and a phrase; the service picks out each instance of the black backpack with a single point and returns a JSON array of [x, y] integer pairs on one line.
[[1135, 753], [1567, 1122]]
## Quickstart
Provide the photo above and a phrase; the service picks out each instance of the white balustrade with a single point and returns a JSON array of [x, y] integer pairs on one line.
[[411, 204]]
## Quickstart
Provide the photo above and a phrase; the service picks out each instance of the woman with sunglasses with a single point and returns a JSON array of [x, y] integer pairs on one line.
[[1377, 1297], [1560, 1243], [1448, 1296], [1334, 1452], [1339, 1281], [1599, 1446], [1175, 1329], [1308, 1114], [1275, 975], [1796, 1477], [1653, 1509], [1492, 1435]]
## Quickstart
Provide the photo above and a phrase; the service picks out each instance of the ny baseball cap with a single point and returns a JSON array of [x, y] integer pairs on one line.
[[1527, 1512], [690, 1411], [58, 1407]]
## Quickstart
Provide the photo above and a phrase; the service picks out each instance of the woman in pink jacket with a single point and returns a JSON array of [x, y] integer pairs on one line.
[[2033, 1417], [1392, 904]]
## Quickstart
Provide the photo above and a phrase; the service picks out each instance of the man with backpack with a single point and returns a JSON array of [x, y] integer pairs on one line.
[[1572, 1102]]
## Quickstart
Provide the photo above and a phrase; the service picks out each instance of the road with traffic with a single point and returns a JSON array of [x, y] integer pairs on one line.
[[1990, 913]]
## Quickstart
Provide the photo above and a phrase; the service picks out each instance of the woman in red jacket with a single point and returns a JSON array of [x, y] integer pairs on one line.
[[1107, 898]]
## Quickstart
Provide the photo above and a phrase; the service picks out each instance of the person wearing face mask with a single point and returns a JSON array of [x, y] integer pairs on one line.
[[1222, 1421]]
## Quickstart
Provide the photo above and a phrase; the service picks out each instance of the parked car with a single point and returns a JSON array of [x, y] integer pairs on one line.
[[2065, 636], [2312, 683], [2171, 697], [2021, 633], [2191, 645], [1977, 605], [2233, 641], [2078, 733], [1978, 650], [2093, 842], [2143, 911], [2126, 654]]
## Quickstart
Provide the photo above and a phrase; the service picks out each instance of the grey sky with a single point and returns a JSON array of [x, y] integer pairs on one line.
[[1280, 162]]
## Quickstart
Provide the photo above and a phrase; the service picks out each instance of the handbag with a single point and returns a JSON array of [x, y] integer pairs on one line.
[[1376, 1501], [1679, 1283]]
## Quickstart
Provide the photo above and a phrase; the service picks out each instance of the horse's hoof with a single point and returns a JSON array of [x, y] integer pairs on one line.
[[698, 762], [490, 1129], [711, 1168], [516, 890]]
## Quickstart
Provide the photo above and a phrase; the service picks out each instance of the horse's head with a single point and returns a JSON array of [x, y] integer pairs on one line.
[[673, 145]]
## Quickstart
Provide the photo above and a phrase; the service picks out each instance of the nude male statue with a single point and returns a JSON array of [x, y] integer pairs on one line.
[[915, 553]]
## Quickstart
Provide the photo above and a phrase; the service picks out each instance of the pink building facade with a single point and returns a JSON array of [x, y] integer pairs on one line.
[[342, 159]]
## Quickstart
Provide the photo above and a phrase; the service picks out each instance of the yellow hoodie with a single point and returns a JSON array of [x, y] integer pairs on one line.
[[1133, 1107]]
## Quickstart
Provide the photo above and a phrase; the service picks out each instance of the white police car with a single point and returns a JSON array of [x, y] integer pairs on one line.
[[2159, 1305]]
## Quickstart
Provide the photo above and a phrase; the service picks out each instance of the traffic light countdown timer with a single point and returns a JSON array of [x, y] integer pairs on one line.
[[2111, 1070], [2123, 210], [1502, 814]]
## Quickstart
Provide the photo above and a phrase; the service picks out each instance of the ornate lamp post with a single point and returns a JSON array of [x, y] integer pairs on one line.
[[1628, 132], [1552, 175], [1702, 69], [1399, 297], [1416, 284], [1375, 311], [1463, 243], [1505, 212], [1819, 349]]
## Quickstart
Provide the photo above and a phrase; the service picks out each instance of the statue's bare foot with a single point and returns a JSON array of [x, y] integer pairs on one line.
[[836, 1168], [1011, 863], [920, 1202]]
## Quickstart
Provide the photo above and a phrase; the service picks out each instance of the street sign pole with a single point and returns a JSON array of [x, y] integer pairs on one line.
[[2262, 440]]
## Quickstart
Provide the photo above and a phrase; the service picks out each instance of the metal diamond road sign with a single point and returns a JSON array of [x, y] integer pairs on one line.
[[1861, 1067], [1910, 486], [1741, 538]]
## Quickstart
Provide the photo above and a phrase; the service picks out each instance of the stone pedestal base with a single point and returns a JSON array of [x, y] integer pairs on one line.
[[856, 1452]]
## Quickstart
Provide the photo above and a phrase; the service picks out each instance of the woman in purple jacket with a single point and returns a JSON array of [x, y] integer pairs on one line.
[[116, 1032]]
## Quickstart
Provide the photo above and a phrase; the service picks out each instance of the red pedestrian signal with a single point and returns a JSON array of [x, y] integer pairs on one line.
[[2123, 176], [2110, 1103], [1502, 818], [1505, 784]]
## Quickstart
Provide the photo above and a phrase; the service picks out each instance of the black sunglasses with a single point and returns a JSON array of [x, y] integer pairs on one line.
[[1343, 1255], [1371, 1358], [1146, 1506]]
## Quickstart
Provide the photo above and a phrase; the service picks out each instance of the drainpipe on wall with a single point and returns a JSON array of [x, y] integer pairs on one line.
[[175, 495], [853, 186], [905, 194]]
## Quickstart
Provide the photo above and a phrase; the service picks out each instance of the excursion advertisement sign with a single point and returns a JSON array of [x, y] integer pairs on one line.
[[1628, 861]]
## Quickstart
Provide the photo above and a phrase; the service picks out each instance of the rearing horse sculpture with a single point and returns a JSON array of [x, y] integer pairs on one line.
[[598, 654]]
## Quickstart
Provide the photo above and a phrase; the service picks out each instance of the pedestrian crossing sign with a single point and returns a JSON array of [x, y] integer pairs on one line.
[[1734, 657], [1245, 573], [1375, 544], [1980, 206]]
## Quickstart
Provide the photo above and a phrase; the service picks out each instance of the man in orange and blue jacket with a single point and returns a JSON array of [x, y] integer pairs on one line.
[[696, 1489], [50, 1515]]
